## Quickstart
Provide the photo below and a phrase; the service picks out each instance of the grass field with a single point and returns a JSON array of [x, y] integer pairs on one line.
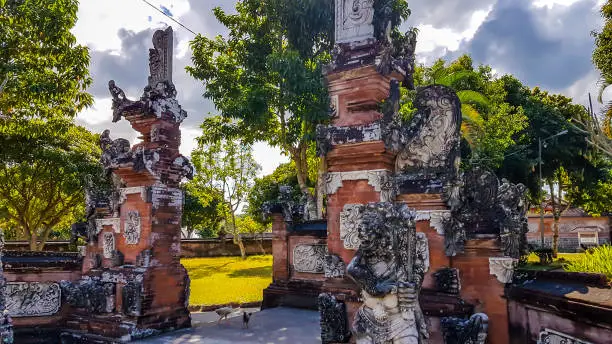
[[228, 279]]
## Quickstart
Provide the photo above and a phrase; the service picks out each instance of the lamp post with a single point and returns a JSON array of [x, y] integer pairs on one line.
[[540, 143]]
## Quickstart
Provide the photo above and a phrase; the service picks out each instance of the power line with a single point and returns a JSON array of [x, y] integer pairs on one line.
[[164, 13]]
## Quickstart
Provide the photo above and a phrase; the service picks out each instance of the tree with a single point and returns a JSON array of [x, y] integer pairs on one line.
[[246, 224], [226, 167], [44, 189], [489, 123], [266, 189], [201, 217], [45, 160]]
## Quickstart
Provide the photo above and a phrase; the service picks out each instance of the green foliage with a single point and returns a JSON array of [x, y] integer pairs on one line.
[[490, 125], [247, 225], [602, 55], [42, 188], [596, 260], [43, 70], [200, 216]]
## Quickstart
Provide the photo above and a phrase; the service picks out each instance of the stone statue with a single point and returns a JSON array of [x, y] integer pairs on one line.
[[114, 152], [512, 219], [389, 271], [120, 101], [334, 327]]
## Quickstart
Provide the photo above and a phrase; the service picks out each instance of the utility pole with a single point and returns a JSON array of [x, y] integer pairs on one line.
[[540, 143]]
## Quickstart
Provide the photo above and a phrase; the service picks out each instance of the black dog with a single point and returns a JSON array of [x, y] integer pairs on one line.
[[245, 319]]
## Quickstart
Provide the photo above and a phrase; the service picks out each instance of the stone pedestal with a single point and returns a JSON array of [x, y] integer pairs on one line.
[[133, 284]]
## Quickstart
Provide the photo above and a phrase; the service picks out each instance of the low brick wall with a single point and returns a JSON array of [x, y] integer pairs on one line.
[[33, 292], [190, 248], [558, 307]]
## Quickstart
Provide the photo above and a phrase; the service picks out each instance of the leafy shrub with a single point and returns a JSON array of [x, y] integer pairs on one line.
[[595, 260]]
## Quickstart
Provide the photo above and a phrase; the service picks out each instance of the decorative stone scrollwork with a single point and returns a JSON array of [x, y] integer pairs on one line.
[[115, 224], [32, 299], [132, 228], [132, 298], [549, 336], [422, 251], [108, 244], [436, 218], [354, 20], [309, 258], [389, 267], [431, 149], [378, 179], [502, 268], [334, 322], [461, 331], [334, 266], [350, 219]]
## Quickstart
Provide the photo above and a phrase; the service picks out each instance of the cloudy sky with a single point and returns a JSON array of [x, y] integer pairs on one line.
[[544, 43]]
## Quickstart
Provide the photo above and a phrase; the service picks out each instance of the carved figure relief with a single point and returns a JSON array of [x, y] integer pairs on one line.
[[389, 271], [131, 230], [549, 336], [108, 244], [354, 20], [309, 258], [32, 299], [350, 219]]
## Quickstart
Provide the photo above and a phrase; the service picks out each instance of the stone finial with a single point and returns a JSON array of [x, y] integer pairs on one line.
[[160, 57]]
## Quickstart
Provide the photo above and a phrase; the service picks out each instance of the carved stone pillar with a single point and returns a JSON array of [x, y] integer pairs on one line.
[[132, 264]]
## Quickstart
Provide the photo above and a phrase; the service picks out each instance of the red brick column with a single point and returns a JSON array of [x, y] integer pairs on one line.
[[280, 266]]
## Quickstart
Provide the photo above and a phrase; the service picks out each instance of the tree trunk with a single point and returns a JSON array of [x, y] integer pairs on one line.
[[555, 206], [33, 243], [237, 238], [260, 243]]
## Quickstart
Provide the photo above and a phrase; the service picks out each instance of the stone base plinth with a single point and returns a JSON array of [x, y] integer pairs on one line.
[[146, 301], [298, 294]]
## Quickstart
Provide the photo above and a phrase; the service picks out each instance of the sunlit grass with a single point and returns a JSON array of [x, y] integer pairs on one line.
[[597, 260], [228, 279]]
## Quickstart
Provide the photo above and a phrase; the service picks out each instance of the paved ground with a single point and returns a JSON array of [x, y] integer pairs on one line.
[[271, 326]]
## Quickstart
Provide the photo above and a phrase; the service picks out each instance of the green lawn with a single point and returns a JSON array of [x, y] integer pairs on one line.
[[228, 279]]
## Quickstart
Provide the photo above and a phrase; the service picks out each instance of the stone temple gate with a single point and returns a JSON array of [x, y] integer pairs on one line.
[[412, 250]]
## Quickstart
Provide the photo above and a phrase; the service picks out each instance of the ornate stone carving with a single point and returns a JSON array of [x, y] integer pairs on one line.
[[430, 154], [114, 152], [309, 258], [334, 266], [502, 268], [90, 294], [513, 224], [354, 20], [461, 331], [160, 57], [481, 205], [330, 136], [115, 224], [131, 231], [350, 219], [447, 280], [6, 323], [436, 218], [120, 101], [185, 166], [549, 336], [376, 178], [108, 244], [389, 269], [422, 251], [132, 298], [334, 322], [32, 299]]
